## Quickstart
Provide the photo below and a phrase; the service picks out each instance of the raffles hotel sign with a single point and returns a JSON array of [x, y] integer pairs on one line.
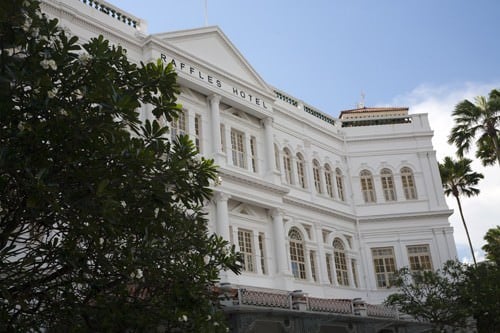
[[194, 72]]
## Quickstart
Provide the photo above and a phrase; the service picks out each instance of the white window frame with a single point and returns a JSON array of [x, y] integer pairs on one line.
[[197, 132], [262, 250], [297, 252], [329, 180], [367, 186], [387, 181], [178, 126], [253, 153], [287, 165], [301, 171], [341, 267], [340, 184], [238, 148], [317, 176], [408, 182], [419, 257], [245, 243], [384, 264]]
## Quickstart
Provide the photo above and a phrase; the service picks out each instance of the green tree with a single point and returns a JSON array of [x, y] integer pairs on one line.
[[481, 291], [492, 246], [432, 296], [478, 121], [459, 180], [102, 225], [481, 295]]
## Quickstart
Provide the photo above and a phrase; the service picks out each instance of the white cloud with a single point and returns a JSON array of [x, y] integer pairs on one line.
[[481, 212]]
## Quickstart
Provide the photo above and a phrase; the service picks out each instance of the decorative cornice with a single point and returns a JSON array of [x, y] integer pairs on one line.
[[405, 216], [320, 209], [256, 182]]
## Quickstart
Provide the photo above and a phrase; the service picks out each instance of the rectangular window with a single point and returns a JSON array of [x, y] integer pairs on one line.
[[317, 179], [297, 260], [312, 259], [246, 249], [262, 253], [368, 189], [340, 187], [301, 173], [419, 257], [329, 267], [329, 182], [287, 166], [341, 268], [253, 153], [388, 187], [238, 148], [178, 126], [385, 266], [197, 132], [409, 186]]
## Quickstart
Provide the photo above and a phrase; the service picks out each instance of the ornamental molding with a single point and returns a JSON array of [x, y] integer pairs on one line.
[[405, 216], [256, 182], [317, 208]]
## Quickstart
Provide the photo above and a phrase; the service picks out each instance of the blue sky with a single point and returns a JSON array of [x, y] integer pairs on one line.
[[425, 54]]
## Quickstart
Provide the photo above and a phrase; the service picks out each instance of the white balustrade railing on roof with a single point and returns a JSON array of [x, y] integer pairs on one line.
[[115, 12]]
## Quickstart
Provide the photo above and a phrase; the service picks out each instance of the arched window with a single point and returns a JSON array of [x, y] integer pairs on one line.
[[276, 157], [367, 186], [408, 183], [297, 258], [388, 184], [317, 178], [287, 165], [340, 262], [329, 180], [301, 171], [340, 184]]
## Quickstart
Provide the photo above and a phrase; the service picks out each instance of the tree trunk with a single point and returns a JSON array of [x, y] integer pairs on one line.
[[466, 230]]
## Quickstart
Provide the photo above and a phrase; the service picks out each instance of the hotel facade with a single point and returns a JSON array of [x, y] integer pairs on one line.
[[329, 206]]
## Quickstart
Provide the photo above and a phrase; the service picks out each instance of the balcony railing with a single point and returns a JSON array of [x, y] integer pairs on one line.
[[115, 13], [298, 300]]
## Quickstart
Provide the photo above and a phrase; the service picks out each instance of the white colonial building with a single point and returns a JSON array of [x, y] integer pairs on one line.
[[330, 206]]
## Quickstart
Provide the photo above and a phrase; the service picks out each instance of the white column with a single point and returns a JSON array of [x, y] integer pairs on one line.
[[214, 101], [322, 271], [269, 148], [350, 276], [279, 242], [222, 223], [307, 254]]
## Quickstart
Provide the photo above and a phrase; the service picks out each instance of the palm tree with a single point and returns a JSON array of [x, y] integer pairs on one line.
[[458, 179], [482, 119]]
